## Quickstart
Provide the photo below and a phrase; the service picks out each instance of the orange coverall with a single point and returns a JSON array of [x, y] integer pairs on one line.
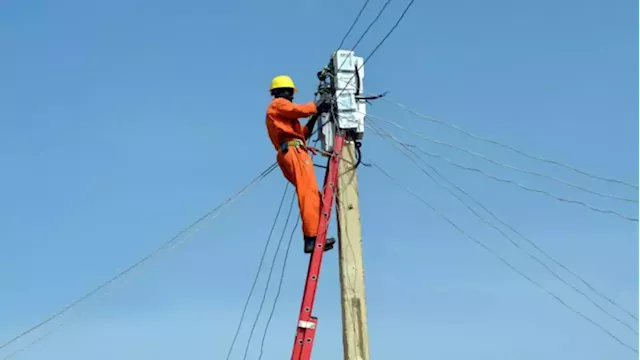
[[283, 125]]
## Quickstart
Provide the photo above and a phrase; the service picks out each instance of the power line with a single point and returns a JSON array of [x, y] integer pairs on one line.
[[364, 33], [29, 345], [388, 136], [266, 287], [502, 259], [539, 174], [342, 42], [255, 280], [275, 300], [509, 147], [143, 260], [531, 242], [393, 28], [406, 9], [543, 192], [353, 24]]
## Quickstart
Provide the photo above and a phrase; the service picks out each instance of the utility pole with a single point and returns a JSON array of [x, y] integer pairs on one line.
[[355, 338], [347, 72]]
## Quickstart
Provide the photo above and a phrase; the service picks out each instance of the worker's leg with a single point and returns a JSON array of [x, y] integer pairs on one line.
[[297, 167]]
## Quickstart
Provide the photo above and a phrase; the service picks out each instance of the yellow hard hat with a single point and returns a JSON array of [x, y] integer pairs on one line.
[[282, 81]]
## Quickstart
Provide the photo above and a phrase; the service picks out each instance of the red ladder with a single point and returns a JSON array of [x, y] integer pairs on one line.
[[307, 323]]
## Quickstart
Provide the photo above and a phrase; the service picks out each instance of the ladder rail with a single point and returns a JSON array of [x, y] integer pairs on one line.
[[307, 323]]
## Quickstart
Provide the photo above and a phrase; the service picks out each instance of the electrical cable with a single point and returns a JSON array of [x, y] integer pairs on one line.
[[509, 147], [255, 280], [531, 242], [266, 288], [533, 172], [393, 28], [502, 259], [364, 33], [275, 300], [353, 24], [395, 141], [543, 192], [146, 258], [29, 345]]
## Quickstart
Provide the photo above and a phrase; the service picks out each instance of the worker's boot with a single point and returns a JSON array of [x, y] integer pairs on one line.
[[310, 243]]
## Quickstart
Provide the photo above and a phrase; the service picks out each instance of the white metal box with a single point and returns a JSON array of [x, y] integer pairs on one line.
[[348, 80]]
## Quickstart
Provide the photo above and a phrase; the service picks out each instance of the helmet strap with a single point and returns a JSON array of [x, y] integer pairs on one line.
[[286, 93]]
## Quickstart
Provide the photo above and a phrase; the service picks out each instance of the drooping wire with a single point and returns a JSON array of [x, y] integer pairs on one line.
[[509, 147], [543, 192], [499, 257], [378, 131], [215, 212], [266, 287], [275, 300], [255, 280], [385, 135]]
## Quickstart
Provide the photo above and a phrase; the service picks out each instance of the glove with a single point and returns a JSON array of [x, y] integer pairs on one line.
[[323, 104]]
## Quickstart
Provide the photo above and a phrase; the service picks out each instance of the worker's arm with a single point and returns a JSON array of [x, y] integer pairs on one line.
[[323, 104], [287, 109], [308, 128]]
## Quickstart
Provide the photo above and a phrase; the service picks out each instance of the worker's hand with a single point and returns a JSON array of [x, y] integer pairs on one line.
[[323, 104]]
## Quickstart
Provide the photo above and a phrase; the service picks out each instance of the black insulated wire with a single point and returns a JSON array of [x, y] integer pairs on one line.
[[255, 279]]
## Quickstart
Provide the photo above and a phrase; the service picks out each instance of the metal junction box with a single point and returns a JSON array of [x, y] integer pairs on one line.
[[347, 79]]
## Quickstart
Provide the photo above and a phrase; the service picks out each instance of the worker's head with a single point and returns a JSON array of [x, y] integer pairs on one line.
[[282, 86]]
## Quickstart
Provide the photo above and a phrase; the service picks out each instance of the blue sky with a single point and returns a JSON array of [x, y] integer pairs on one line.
[[122, 122]]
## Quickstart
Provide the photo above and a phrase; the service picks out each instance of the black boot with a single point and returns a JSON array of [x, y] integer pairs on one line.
[[310, 243]]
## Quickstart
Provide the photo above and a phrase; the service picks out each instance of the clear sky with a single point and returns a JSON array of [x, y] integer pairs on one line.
[[123, 121]]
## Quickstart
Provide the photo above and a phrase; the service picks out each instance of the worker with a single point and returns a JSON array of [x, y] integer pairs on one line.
[[289, 138]]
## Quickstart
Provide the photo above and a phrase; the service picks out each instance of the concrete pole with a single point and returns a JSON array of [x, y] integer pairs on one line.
[[354, 310]]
